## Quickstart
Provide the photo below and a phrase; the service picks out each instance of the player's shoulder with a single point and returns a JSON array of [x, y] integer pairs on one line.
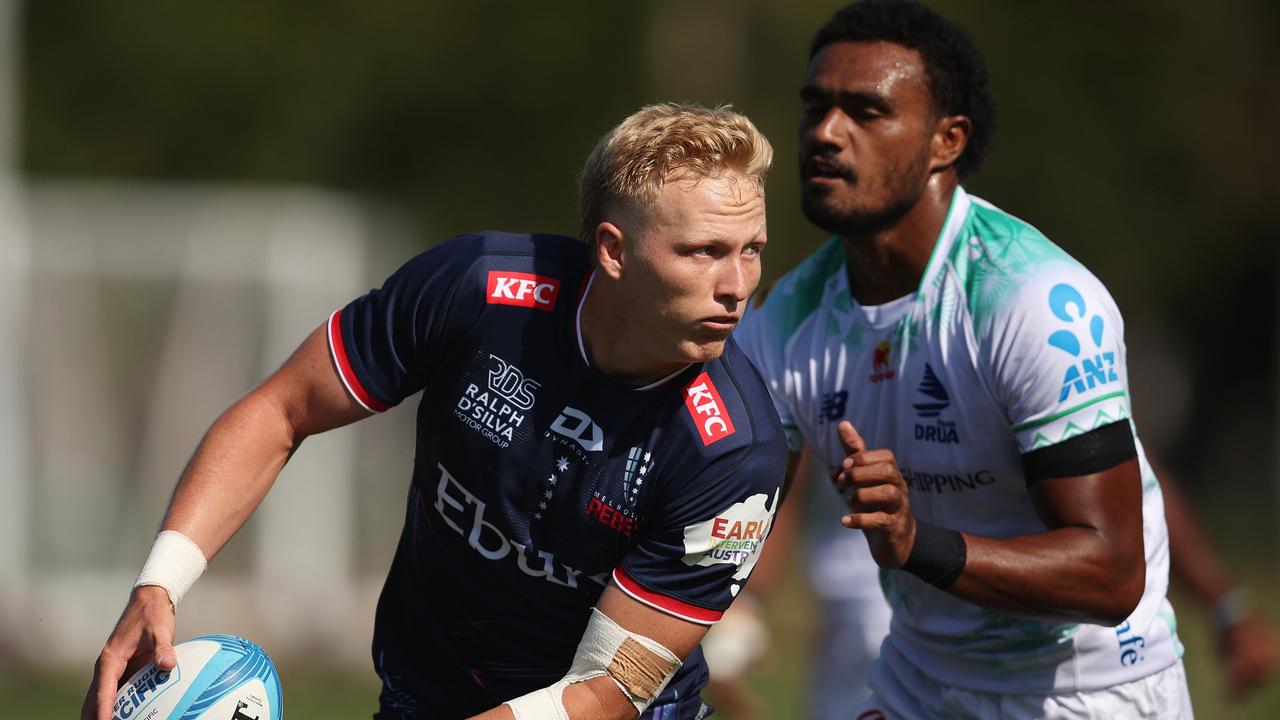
[[729, 413], [1009, 267], [516, 246], [521, 269], [781, 307]]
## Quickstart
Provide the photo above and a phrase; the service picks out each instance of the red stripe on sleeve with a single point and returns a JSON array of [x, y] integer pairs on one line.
[[346, 373], [671, 606]]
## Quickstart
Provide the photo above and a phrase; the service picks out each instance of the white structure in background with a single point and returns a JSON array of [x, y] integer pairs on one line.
[[149, 309], [13, 294]]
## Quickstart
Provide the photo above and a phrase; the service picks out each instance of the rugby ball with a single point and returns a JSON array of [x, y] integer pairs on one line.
[[218, 676]]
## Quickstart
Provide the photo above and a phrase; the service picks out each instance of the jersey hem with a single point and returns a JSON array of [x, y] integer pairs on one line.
[[346, 372], [668, 605]]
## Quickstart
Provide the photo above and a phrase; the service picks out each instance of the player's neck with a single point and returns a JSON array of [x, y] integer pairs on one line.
[[887, 263], [611, 342]]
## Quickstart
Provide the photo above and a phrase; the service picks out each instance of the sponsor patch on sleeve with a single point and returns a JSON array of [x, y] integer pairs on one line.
[[507, 287], [734, 536], [707, 409]]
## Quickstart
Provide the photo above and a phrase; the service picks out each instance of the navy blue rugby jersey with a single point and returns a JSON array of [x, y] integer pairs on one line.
[[537, 479]]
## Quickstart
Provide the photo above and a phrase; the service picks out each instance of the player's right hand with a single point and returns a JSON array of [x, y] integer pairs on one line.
[[873, 488], [143, 634]]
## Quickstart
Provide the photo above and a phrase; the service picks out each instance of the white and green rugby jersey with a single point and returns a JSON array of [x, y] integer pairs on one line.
[[1008, 345]]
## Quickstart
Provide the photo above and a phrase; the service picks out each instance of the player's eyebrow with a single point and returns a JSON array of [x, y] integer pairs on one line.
[[847, 98]]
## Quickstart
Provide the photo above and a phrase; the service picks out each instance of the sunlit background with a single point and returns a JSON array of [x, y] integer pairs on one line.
[[187, 189]]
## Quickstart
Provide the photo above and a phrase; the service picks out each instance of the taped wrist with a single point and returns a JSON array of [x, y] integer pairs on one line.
[[543, 704], [639, 666], [175, 563], [938, 555]]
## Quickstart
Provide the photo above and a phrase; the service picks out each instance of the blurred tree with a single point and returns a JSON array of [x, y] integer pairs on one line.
[[1137, 135]]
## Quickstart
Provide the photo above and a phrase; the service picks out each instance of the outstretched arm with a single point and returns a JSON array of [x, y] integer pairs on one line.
[[231, 471]]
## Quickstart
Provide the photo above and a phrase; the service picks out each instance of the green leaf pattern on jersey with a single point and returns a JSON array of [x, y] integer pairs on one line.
[[993, 252], [1118, 412], [1018, 641], [1171, 620], [799, 293]]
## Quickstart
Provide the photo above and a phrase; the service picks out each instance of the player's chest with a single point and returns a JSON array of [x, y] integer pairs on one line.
[[556, 459], [914, 388]]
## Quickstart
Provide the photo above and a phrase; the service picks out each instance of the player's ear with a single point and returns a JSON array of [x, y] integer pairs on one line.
[[609, 249], [950, 136]]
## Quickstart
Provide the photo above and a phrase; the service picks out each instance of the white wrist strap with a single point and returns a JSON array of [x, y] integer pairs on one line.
[[175, 563], [544, 704]]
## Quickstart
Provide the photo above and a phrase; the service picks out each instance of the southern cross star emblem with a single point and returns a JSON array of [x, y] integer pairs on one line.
[[562, 464], [639, 463]]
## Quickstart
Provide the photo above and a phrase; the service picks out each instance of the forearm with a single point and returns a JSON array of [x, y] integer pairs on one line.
[[1069, 574], [231, 471]]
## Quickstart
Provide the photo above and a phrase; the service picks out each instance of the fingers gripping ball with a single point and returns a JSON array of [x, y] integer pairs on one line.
[[218, 676]]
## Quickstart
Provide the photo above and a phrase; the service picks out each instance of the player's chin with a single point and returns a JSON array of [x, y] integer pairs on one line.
[[703, 349]]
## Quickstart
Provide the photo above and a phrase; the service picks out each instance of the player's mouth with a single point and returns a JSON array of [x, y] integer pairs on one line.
[[719, 323], [823, 170]]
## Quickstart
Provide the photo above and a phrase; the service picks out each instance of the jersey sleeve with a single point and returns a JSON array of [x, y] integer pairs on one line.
[[763, 343], [697, 554], [385, 344], [1058, 358]]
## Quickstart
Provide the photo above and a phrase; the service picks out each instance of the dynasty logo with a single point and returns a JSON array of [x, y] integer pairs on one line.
[[578, 426], [498, 409]]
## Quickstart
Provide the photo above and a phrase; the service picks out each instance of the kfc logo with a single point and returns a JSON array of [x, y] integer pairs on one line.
[[522, 290], [707, 410]]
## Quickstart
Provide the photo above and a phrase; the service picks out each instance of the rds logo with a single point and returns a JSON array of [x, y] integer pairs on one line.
[[1067, 304]]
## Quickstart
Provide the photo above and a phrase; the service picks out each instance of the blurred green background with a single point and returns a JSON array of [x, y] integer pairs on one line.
[[1140, 136]]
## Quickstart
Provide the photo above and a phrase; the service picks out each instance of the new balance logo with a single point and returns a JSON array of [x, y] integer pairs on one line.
[[833, 405], [704, 404], [522, 290]]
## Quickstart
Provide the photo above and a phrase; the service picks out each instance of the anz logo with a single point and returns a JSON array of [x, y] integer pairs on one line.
[[1095, 366]]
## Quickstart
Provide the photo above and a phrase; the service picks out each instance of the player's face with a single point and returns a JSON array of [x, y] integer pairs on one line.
[[695, 262], [864, 136]]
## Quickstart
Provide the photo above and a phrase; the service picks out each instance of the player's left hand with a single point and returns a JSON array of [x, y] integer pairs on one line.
[[1249, 654], [872, 486]]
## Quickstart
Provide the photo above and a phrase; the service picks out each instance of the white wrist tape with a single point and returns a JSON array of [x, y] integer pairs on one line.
[[175, 563], [544, 704], [639, 666]]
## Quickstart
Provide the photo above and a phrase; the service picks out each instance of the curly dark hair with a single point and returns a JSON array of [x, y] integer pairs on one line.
[[956, 72]]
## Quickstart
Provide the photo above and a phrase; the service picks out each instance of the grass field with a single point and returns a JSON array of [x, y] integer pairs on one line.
[[319, 695]]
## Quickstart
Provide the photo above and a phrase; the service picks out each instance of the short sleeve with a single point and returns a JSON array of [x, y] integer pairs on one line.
[[386, 343], [1058, 358], [696, 556], [764, 345]]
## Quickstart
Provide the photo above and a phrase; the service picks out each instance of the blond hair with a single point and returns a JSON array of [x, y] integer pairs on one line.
[[632, 161]]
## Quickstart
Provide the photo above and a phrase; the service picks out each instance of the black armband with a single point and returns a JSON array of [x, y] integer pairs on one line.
[[938, 555], [1097, 450]]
